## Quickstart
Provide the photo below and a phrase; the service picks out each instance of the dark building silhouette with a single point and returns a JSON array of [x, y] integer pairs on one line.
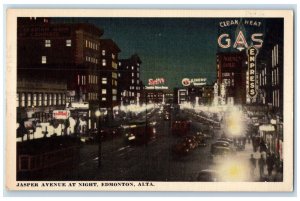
[[65, 53], [130, 85]]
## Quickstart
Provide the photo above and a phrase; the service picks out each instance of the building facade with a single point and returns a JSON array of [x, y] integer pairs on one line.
[[66, 53], [130, 84]]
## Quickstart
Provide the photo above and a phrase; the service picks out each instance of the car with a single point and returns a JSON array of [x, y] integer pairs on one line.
[[220, 148], [208, 175], [225, 139]]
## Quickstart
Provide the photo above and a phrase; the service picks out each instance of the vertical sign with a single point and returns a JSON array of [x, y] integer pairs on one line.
[[252, 53]]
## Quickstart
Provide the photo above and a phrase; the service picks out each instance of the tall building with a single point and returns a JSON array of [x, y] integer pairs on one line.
[[64, 53], [108, 74], [231, 71], [130, 85]]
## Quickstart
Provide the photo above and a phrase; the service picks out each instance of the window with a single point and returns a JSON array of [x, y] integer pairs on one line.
[[50, 99], [54, 99], [17, 100], [114, 98], [113, 56], [86, 43], [132, 67], [59, 99], [104, 80], [45, 99], [63, 99], [138, 75], [47, 43], [103, 98], [68, 43], [132, 74], [103, 52], [132, 81], [40, 100], [29, 100], [44, 59], [23, 100], [34, 100], [103, 62], [138, 81], [114, 75], [103, 91], [114, 91]]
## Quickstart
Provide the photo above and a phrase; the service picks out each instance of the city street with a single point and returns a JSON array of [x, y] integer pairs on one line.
[[148, 162]]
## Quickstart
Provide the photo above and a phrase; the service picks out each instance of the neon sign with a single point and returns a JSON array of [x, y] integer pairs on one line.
[[240, 43], [195, 81], [156, 81], [252, 53]]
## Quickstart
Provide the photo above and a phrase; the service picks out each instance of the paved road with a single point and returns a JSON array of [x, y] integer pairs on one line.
[[151, 162]]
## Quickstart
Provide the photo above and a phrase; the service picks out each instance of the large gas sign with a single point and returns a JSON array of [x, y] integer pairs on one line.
[[240, 34], [252, 52]]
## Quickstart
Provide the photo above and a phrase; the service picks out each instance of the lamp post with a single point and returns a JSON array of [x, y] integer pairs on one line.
[[98, 114]]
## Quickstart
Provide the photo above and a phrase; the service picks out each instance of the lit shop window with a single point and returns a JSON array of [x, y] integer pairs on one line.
[[45, 99], [104, 80], [22, 100], [40, 100], [103, 91], [50, 99], [103, 62], [47, 43], [54, 99], [44, 59], [103, 99], [103, 52], [17, 100], [34, 100], [114, 98], [28, 100], [68, 43], [59, 99]]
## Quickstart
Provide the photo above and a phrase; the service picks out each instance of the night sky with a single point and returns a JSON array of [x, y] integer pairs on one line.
[[172, 48]]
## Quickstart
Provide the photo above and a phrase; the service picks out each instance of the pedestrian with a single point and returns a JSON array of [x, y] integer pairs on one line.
[[270, 164], [252, 165], [261, 163]]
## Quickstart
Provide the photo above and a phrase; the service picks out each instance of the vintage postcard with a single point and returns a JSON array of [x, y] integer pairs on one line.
[[149, 100]]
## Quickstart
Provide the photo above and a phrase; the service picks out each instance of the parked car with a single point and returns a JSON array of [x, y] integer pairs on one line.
[[208, 175], [220, 148]]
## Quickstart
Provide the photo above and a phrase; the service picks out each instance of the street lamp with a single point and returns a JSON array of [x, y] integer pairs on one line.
[[98, 114]]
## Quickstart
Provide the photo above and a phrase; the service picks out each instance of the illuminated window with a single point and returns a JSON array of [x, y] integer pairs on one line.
[[68, 43], [45, 99], [34, 100], [132, 81], [103, 52], [39, 99], [103, 98], [22, 100], [47, 43], [63, 99], [114, 98], [17, 100], [104, 80], [29, 100], [54, 99], [138, 75], [44, 59], [103, 62], [114, 91], [132, 67], [132, 74], [103, 91], [113, 56], [86, 43], [59, 99]]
